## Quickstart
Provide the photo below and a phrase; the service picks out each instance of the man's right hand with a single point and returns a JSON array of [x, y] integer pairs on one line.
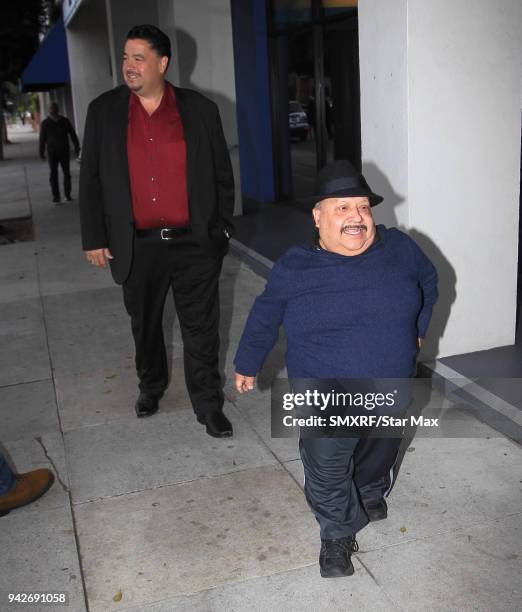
[[244, 384], [98, 257]]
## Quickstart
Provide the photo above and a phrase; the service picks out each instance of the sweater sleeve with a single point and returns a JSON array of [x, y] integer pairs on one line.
[[262, 326], [428, 278]]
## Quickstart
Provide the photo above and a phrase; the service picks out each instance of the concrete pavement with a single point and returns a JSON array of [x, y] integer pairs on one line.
[[153, 514]]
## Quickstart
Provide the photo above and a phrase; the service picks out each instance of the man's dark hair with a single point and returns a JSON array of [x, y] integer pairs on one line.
[[157, 39]]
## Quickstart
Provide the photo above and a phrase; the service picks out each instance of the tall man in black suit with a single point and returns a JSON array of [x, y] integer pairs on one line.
[[156, 200]]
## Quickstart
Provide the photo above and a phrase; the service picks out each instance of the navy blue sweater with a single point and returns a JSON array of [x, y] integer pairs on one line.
[[344, 317]]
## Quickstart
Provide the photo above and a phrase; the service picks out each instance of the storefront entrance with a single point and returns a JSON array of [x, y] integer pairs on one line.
[[314, 62]]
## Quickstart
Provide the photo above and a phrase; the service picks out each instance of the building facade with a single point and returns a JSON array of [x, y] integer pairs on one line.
[[424, 96]]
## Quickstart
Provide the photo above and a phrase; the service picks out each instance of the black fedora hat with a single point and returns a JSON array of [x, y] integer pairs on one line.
[[340, 179]]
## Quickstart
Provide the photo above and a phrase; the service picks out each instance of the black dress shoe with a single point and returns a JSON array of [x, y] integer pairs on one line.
[[335, 557], [218, 426], [146, 405], [377, 511]]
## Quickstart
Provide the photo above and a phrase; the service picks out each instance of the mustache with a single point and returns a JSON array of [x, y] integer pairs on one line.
[[356, 226]]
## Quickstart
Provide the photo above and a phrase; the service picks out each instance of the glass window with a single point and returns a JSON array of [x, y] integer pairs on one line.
[[337, 7], [292, 12], [294, 107]]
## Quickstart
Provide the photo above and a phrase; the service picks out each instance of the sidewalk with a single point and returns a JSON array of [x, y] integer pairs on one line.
[[153, 515]]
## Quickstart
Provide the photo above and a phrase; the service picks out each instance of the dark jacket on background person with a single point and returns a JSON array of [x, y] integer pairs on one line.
[[55, 133], [105, 198]]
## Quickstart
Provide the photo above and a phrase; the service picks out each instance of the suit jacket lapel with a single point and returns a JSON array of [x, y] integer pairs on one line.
[[191, 132], [119, 123]]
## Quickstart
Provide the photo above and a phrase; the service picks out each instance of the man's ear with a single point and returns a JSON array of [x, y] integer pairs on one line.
[[163, 63], [316, 212]]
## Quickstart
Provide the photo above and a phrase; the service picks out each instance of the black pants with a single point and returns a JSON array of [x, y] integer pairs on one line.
[[62, 159], [343, 476], [192, 273]]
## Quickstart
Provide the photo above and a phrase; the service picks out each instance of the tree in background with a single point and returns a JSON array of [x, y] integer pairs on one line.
[[21, 23]]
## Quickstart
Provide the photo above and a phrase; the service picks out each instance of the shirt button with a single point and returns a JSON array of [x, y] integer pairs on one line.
[[152, 178], [150, 139], [153, 199]]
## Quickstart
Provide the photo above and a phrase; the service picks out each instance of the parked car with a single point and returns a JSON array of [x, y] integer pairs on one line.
[[299, 126]]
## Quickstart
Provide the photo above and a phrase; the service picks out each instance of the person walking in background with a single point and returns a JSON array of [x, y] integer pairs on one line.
[[55, 132]]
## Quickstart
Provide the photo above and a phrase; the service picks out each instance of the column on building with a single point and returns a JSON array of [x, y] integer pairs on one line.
[[440, 114]]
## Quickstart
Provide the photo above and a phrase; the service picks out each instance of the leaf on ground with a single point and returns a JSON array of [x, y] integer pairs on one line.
[[111, 376], [107, 391], [411, 449], [402, 529], [118, 596]]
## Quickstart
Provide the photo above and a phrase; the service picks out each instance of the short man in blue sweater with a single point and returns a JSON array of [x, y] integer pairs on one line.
[[354, 306]]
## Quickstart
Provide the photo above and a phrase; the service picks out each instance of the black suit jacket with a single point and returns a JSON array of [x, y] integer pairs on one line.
[[105, 197]]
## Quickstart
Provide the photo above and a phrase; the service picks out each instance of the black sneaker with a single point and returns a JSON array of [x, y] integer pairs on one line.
[[334, 558]]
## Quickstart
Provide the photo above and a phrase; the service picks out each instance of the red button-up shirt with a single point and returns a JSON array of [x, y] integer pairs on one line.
[[156, 154]]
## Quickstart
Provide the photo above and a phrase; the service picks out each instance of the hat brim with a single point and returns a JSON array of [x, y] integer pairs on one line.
[[346, 193]]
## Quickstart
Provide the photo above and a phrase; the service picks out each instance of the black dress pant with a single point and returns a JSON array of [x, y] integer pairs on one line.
[[192, 274], [57, 158]]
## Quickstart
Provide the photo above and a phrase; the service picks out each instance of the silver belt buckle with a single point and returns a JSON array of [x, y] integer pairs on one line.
[[165, 229]]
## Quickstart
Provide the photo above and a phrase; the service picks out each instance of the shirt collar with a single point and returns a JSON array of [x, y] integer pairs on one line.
[[167, 101]]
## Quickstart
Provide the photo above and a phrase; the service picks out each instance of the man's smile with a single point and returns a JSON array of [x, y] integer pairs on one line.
[[354, 230]]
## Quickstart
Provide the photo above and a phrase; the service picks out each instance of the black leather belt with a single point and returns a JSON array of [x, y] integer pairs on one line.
[[165, 233]]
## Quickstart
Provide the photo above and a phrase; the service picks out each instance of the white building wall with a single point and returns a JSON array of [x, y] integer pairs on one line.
[[452, 151], [204, 60], [206, 56], [89, 57], [167, 24], [384, 104], [122, 15]]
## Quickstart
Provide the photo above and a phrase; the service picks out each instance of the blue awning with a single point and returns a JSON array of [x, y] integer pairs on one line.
[[49, 67]]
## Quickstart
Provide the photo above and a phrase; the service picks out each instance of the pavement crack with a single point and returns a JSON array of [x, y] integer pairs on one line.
[[26, 382], [369, 571], [373, 577], [51, 461]]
